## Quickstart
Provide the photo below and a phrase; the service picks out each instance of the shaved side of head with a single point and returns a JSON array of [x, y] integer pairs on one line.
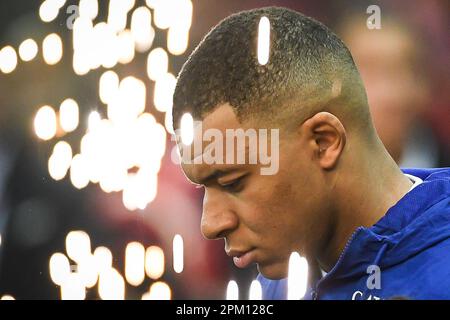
[[309, 70]]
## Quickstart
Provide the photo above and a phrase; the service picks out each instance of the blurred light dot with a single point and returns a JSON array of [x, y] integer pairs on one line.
[[117, 13], [168, 121], [134, 263], [163, 13], [57, 3], [28, 49], [158, 291], [87, 269], [7, 297], [109, 48], [63, 151], [69, 115], [56, 171], [80, 64], [8, 59], [132, 95], [126, 46], [183, 15], [78, 245], [255, 291], [178, 254], [157, 63], [93, 120], [82, 32], [139, 190], [297, 276], [141, 29], [152, 3], [187, 129], [263, 40], [88, 9], [232, 290], [45, 123], [52, 49], [111, 285], [103, 259], [72, 288], [149, 154], [177, 40], [59, 268], [108, 86], [163, 92], [105, 50], [113, 178], [60, 160], [154, 262], [129, 4], [83, 43], [79, 172], [48, 11]]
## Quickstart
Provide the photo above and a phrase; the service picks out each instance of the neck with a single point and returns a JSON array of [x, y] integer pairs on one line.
[[370, 185]]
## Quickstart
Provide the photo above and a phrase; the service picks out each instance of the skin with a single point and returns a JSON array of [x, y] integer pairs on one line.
[[328, 184]]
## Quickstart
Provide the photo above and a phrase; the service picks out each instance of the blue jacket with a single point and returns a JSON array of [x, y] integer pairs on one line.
[[406, 253]]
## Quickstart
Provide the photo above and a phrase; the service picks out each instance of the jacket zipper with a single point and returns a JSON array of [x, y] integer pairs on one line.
[[315, 293]]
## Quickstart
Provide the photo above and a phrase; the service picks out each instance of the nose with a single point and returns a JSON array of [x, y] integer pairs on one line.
[[218, 219]]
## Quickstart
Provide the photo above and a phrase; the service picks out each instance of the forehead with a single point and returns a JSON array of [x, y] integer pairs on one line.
[[215, 123], [223, 117]]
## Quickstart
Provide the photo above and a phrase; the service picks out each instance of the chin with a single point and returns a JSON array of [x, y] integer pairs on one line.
[[275, 271]]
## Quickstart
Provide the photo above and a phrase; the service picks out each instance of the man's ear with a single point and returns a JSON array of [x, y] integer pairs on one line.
[[327, 138]]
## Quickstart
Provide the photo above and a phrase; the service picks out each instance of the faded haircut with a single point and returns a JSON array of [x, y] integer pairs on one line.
[[309, 70]]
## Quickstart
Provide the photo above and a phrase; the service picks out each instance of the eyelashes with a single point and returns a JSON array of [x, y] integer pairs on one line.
[[234, 186]]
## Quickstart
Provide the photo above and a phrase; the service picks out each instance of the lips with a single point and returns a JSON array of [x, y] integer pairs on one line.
[[241, 259]]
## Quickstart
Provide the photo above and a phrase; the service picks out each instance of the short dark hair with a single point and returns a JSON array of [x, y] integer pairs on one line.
[[306, 60]]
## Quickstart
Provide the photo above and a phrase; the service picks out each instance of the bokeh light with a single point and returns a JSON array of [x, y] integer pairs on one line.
[[28, 49], [69, 115], [52, 49], [135, 263], [8, 59], [154, 262], [45, 123]]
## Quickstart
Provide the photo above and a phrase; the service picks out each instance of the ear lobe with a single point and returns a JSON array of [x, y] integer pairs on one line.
[[330, 137]]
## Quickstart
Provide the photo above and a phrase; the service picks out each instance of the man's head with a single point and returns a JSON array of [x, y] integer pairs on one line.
[[311, 91]]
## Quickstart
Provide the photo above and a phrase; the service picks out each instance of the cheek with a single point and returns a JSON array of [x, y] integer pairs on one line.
[[291, 207], [259, 207], [278, 208], [270, 211]]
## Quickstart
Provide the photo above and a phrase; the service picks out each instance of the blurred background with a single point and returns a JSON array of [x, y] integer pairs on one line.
[[92, 205]]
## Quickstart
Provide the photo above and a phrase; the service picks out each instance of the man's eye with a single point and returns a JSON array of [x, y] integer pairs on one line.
[[233, 186]]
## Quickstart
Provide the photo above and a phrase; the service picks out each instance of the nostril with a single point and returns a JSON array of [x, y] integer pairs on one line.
[[213, 230], [222, 234]]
